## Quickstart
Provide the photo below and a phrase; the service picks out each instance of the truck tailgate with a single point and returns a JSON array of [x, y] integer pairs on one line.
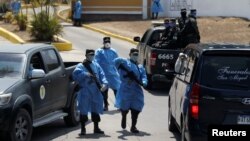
[[165, 59]]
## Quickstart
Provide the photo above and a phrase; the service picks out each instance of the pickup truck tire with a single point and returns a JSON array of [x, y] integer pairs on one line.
[[183, 129], [21, 128], [73, 117], [171, 122], [150, 84]]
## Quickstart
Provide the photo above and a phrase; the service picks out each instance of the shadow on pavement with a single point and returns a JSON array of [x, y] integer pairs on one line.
[[111, 112], [52, 131], [160, 89], [93, 136], [125, 133]]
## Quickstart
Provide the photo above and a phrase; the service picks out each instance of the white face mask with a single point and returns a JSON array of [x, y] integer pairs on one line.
[[134, 58], [90, 58], [107, 45]]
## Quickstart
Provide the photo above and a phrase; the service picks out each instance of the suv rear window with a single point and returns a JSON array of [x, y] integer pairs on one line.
[[155, 37], [226, 72]]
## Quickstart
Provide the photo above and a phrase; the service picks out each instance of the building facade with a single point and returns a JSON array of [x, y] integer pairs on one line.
[[141, 9], [224, 8], [116, 9]]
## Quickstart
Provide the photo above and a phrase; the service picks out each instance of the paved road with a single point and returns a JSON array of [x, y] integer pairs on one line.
[[152, 121], [3, 40]]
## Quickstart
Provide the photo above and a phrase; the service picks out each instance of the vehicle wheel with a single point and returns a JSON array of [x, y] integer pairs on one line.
[[4, 136], [171, 123], [73, 117], [150, 83], [183, 128], [21, 129]]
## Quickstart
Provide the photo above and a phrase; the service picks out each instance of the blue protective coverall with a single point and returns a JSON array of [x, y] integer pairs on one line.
[[130, 94], [105, 58], [89, 97], [16, 6], [156, 6], [77, 10]]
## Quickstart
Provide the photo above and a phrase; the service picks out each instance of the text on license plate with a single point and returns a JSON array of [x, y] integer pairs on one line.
[[243, 119]]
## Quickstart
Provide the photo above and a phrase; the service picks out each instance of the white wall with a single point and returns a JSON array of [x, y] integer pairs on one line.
[[238, 8]]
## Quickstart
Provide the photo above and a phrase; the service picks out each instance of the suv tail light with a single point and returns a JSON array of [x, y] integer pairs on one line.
[[194, 101], [153, 59]]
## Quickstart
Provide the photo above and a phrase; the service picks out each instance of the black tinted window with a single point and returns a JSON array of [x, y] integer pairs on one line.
[[51, 59], [155, 37], [36, 62], [227, 72], [143, 40]]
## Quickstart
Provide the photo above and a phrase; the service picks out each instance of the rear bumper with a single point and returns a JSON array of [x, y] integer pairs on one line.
[[195, 136], [162, 78], [194, 131]]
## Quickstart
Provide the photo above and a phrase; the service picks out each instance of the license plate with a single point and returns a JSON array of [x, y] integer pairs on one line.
[[243, 119]]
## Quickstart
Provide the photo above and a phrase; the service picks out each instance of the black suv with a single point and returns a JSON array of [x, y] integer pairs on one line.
[[211, 87]]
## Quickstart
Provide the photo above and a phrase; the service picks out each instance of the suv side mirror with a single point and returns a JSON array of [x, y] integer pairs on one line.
[[137, 39], [179, 65], [37, 73]]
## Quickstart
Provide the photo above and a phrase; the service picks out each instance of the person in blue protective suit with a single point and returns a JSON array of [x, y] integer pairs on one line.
[[77, 13], [92, 82], [16, 6], [130, 95], [105, 58], [156, 8]]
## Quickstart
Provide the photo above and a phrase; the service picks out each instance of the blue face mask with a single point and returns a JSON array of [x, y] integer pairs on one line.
[[172, 25], [167, 25]]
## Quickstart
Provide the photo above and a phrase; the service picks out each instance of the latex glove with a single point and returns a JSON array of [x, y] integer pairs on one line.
[[103, 88], [144, 83]]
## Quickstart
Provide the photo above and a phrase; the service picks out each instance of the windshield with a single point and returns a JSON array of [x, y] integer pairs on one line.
[[226, 72], [11, 65]]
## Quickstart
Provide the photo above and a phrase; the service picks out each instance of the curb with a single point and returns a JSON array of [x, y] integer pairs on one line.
[[65, 46], [11, 36], [98, 30]]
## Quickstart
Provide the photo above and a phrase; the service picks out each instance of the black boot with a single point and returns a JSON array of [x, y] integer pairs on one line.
[[105, 100], [83, 130], [156, 16], [124, 119], [97, 130], [83, 120], [152, 16], [134, 116]]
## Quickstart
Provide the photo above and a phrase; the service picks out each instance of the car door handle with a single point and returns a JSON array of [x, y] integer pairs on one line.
[[48, 81]]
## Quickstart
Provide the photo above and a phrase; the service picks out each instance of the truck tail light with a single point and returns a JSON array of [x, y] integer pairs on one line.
[[153, 59], [194, 101]]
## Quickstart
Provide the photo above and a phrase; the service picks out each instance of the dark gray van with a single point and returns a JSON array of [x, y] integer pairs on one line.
[[211, 87]]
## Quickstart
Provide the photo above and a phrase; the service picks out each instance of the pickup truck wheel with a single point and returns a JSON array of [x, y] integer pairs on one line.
[[183, 129], [21, 129], [73, 117], [150, 84], [171, 123]]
